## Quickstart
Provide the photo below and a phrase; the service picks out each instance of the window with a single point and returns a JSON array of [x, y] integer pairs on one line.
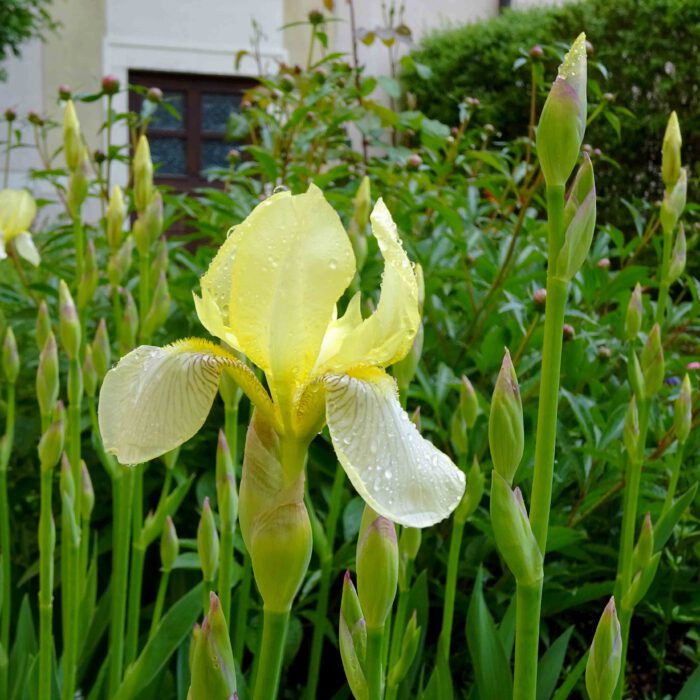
[[182, 148]]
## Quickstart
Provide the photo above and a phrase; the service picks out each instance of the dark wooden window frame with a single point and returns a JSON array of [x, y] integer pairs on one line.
[[193, 85]]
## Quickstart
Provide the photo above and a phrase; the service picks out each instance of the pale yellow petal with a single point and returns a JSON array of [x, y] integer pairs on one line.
[[24, 244], [17, 211], [157, 398], [387, 335], [293, 261], [339, 329], [397, 472]]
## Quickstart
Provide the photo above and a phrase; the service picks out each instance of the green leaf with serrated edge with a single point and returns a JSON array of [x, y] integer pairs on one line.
[[493, 675], [550, 665], [665, 524]]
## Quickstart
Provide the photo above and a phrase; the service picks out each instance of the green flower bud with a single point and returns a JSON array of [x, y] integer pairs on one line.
[[473, 493], [459, 437], [506, 434], [160, 308], [130, 324], [10, 357], [641, 582], [160, 259], [636, 378], [683, 411], [581, 214], [153, 218], [89, 373], [89, 278], [140, 236], [169, 545], [652, 362], [358, 223], [226, 491], [69, 323], [73, 148], [677, 263], [671, 152], [563, 119], [47, 376], [409, 647], [229, 390], [78, 184], [635, 313], [120, 262], [644, 549], [143, 175], [511, 528], [674, 203], [468, 402], [208, 543], [51, 443], [87, 493], [352, 638], [409, 544], [196, 631], [604, 660], [101, 350], [630, 432], [212, 666], [66, 482], [405, 370], [43, 324], [115, 218], [377, 562]]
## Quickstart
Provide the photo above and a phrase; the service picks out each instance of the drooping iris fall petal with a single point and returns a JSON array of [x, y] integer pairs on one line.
[[17, 211], [397, 472]]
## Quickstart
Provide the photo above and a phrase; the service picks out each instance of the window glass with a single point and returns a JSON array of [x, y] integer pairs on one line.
[[164, 118], [214, 153], [168, 154], [216, 109]]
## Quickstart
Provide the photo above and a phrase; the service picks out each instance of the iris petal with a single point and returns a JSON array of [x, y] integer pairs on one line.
[[24, 245], [397, 472]]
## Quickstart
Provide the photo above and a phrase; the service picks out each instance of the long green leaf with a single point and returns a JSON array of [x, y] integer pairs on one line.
[[664, 526], [572, 679], [550, 665], [691, 688]]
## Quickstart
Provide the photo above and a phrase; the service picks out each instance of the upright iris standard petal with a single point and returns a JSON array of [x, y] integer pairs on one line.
[[293, 261], [398, 473], [387, 335], [157, 398]]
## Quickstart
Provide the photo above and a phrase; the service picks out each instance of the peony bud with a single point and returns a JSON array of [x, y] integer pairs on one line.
[[69, 323], [563, 119], [154, 94], [604, 660], [671, 152], [10, 357], [652, 362], [73, 148], [169, 545], [115, 218], [47, 376], [143, 175], [110, 85], [506, 434], [10, 114], [683, 411], [208, 543], [635, 313]]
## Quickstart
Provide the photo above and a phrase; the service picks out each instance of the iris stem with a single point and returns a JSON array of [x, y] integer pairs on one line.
[[375, 638], [317, 640], [144, 293], [47, 543], [138, 556], [450, 589], [79, 243], [399, 624], [663, 277], [673, 481], [527, 635], [269, 664], [242, 605], [228, 529], [160, 601]]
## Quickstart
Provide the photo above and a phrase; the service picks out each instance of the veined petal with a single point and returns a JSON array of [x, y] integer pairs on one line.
[[157, 398], [24, 244], [387, 335], [293, 261], [397, 472], [339, 328], [17, 211]]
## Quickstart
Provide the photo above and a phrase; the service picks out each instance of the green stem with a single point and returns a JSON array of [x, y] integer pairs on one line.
[[122, 487], [47, 543], [242, 609], [117, 312], [231, 431], [138, 555], [527, 634], [225, 571], [144, 293], [673, 482], [334, 508], [108, 131], [399, 624], [8, 148], [79, 242], [75, 391], [269, 665], [160, 601], [70, 550], [373, 664], [107, 460], [450, 589], [663, 276]]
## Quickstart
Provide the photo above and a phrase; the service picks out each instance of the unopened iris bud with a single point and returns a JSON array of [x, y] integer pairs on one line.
[[409, 544], [634, 314], [69, 323], [143, 175], [66, 482], [362, 203], [89, 278], [563, 119], [674, 203], [473, 493], [160, 259], [77, 190], [89, 373], [73, 148], [677, 264], [208, 543], [130, 324], [636, 377], [120, 262], [212, 667], [87, 493], [605, 658], [101, 350], [409, 647], [115, 218], [468, 402], [47, 376], [644, 549], [405, 370], [683, 411], [630, 432], [459, 436], [160, 308], [43, 324], [10, 357], [352, 639], [671, 152], [652, 362], [226, 491], [506, 433], [51, 443], [153, 218], [169, 545]]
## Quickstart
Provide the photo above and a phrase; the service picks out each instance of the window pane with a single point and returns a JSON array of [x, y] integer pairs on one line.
[[214, 154], [216, 109], [168, 155], [163, 118]]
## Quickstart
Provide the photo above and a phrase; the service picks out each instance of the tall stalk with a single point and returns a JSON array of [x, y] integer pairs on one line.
[[375, 640], [269, 662], [47, 544]]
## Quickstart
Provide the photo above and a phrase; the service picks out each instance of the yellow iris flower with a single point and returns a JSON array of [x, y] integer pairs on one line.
[[271, 293], [17, 211]]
